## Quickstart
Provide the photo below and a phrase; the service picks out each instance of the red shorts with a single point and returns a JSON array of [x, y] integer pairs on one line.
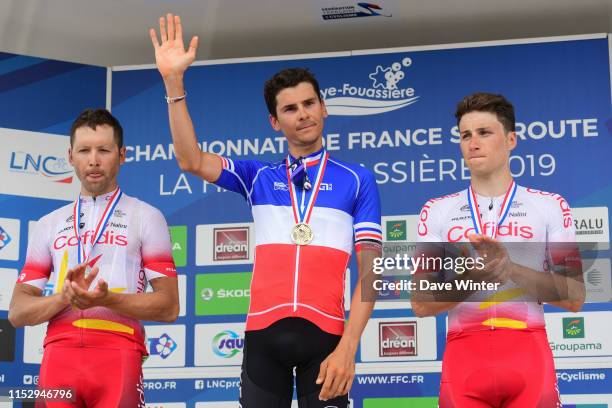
[[499, 368], [97, 377]]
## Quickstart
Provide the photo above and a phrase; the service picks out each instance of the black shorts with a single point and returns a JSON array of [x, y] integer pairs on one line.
[[272, 354]]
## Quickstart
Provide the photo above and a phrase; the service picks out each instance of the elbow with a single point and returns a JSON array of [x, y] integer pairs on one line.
[[185, 165], [15, 319], [171, 314]]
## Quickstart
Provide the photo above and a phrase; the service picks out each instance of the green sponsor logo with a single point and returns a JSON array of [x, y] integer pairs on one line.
[[415, 402], [178, 235], [396, 230], [573, 327], [222, 293]]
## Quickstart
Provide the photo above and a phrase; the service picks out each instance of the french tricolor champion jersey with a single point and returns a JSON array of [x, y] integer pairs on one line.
[[134, 249], [306, 281], [532, 216]]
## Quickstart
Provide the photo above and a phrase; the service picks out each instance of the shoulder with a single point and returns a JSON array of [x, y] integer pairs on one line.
[[447, 202], [351, 170]]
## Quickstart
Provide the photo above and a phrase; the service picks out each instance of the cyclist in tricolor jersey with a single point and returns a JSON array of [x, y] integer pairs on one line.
[[99, 253], [310, 210], [497, 352]]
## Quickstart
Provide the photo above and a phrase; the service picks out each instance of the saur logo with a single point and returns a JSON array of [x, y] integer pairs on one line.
[[386, 92], [162, 346], [227, 344], [56, 169]]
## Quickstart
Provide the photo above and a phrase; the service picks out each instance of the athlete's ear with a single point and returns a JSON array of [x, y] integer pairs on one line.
[[70, 156], [511, 140], [324, 107], [122, 153], [274, 122]]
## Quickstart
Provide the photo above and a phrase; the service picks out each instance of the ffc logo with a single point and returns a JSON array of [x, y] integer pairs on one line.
[[573, 327], [5, 238], [397, 339], [231, 244], [227, 344], [162, 346]]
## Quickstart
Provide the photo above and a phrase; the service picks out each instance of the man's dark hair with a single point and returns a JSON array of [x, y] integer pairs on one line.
[[287, 78], [96, 117], [487, 102]]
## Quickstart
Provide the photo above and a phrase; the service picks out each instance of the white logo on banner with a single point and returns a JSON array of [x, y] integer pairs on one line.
[[592, 225], [166, 346], [589, 400], [219, 344], [165, 405], [387, 92], [579, 334], [33, 340], [36, 165], [598, 280], [375, 338]]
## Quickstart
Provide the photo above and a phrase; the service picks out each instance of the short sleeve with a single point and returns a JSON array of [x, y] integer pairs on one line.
[[238, 175], [156, 247], [366, 212], [39, 262]]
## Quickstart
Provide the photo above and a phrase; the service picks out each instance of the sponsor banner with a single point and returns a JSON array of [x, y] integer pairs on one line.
[[9, 239], [178, 235], [8, 277], [165, 405], [587, 400], [399, 339], [579, 334], [400, 228], [36, 165], [166, 346], [584, 381], [33, 339], [598, 280], [225, 244], [219, 344], [7, 340], [182, 289], [412, 402], [222, 293], [592, 225]]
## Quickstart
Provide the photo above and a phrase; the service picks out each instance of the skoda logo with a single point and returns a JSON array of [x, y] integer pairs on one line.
[[207, 294]]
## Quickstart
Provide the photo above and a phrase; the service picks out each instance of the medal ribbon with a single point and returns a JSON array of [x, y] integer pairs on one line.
[[303, 214], [503, 211], [100, 227]]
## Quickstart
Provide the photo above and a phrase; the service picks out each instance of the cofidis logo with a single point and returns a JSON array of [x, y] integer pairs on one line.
[[386, 89]]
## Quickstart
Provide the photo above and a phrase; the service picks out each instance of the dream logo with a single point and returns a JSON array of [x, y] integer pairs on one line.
[[386, 92]]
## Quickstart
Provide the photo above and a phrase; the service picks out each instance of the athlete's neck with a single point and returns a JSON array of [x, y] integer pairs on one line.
[[303, 151], [85, 192], [492, 185]]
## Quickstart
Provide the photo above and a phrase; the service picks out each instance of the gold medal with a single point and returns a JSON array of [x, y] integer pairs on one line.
[[302, 234]]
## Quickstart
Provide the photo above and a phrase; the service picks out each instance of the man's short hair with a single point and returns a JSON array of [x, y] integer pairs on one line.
[[287, 78], [487, 102], [93, 118]]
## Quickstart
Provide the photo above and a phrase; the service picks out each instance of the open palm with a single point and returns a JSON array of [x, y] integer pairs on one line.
[[170, 56]]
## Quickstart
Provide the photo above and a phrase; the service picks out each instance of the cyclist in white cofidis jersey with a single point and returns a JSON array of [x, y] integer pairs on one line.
[[99, 253], [497, 353], [310, 211]]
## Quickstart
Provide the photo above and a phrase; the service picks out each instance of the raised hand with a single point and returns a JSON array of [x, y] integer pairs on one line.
[[170, 56]]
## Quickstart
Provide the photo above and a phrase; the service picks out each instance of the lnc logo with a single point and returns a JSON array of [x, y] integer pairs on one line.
[[57, 169]]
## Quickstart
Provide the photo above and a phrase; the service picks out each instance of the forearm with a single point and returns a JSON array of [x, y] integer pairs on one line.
[[563, 291], [361, 311], [35, 310], [155, 306], [186, 149]]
